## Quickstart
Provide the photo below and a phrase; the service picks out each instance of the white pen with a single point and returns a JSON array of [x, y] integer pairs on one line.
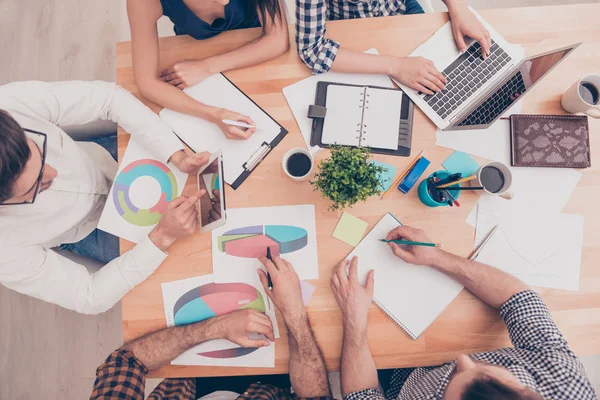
[[238, 124]]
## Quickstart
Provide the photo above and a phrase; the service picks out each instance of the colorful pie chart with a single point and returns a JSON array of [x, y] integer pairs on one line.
[[253, 241]]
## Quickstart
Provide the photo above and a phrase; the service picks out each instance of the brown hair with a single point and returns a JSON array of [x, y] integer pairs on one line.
[[14, 154], [269, 11], [486, 387]]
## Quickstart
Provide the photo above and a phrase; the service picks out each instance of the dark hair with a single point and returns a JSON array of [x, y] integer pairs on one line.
[[14, 154], [269, 11], [486, 387]]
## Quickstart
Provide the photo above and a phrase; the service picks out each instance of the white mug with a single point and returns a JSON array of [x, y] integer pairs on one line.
[[573, 102], [505, 191], [291, 153]]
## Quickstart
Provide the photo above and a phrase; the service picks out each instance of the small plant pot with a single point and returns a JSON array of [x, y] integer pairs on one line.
[[425, 196]]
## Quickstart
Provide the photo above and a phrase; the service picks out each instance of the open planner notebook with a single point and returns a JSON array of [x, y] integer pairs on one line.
[[411, 295], [362, 116]]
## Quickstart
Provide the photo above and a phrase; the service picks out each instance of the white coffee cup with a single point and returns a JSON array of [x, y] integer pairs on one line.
[[504, 191], [573, 102], [290, 153]]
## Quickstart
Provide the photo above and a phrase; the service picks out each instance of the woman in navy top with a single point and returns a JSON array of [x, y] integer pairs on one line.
[[202, 19]]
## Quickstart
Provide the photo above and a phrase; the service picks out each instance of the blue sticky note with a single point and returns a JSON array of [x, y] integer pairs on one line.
[[386, 177], [461, 162]]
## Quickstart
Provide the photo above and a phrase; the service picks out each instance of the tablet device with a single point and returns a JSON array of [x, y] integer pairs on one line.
[[212, 204]]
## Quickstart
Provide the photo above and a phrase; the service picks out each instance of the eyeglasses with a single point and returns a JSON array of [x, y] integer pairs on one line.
[[38, 182]]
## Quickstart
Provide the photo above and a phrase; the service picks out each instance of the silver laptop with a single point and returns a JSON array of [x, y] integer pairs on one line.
[[479, 90]]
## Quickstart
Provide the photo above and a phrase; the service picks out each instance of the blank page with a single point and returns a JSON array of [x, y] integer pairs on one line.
[[381, 121], [413, 296], [344, 115]]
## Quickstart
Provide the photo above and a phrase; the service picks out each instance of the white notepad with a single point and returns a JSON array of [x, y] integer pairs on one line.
[[411, 295], [362, 116]]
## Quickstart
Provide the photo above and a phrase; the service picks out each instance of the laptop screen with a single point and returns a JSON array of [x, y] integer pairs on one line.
[[530, 72]]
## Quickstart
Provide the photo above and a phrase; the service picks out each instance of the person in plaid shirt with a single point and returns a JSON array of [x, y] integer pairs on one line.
[[122, 376], [539, 366], [322, 54]]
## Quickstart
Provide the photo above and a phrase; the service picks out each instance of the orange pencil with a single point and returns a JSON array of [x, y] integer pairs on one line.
[[402, 175]]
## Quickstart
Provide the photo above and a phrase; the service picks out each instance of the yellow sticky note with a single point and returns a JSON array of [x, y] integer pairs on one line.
[[350, 229]]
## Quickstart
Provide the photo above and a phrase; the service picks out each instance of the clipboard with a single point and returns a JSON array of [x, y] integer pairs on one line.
[[186, 127], [318, 113]]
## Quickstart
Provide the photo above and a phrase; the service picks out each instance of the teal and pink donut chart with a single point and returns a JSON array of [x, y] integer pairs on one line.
[[121, 191]]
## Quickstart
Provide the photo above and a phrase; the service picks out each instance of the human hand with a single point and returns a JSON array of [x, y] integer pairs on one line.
[[214, 214], [419, 255], [237, 325], [233, 132], [286, 293], [186, 73], [189, 162], [353, 298], [419, 74], [179, 220], [465, 23]]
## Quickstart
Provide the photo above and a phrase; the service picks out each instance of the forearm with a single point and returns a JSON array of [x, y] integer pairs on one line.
[[356, 62], [159, 348], [255, 52], [489, 284], [307, 368], [175, 99], [358, 371]]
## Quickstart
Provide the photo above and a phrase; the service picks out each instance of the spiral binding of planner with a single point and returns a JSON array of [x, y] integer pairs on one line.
[[393, 318]]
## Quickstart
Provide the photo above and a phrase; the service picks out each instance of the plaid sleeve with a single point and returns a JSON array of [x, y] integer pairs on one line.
[[259, 391], [122, 376], [530, 324], [367, 394], [313, 48]]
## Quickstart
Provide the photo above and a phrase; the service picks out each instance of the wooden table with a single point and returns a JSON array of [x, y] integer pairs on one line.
[[467, 325]]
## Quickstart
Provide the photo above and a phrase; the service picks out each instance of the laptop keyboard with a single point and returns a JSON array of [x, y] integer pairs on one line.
[[497, 103], [465, 75]]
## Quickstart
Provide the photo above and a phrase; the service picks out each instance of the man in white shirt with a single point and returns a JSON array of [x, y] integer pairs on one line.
[[53, 191]]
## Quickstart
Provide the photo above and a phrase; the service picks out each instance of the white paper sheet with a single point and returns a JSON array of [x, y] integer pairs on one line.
[[542, 250], [195, 299], [289, 228], [545, 190], [202, 135], [140, 194], [302, 94]]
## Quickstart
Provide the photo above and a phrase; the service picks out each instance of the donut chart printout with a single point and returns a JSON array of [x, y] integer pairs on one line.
[[289, 231], [143, 188], [197, 299]]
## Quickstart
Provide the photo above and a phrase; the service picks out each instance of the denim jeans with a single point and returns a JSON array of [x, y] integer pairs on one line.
[[413, 7], [98, 245]]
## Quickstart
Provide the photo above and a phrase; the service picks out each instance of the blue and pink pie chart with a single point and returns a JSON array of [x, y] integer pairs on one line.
[[253, 241], [214, 299]]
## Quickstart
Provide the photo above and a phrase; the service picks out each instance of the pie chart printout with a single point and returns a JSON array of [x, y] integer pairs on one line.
[[216, 299], [253, 241]]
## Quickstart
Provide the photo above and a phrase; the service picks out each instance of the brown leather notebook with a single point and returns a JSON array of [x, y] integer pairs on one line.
[[550, 141]]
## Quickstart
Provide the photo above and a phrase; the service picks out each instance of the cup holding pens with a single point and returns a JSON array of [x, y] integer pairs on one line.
[[425, 194]]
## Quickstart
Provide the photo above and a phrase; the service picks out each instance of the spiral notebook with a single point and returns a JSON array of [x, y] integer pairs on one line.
[[412, 296]]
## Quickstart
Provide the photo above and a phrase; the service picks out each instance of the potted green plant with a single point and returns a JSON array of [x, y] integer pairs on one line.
[[347, 177]]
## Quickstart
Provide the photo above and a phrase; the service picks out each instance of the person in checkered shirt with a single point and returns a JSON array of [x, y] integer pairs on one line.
[[539, 366], [122, 375], [322, 54]]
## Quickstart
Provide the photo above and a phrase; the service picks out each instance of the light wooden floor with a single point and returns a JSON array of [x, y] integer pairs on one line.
[[47, 352]]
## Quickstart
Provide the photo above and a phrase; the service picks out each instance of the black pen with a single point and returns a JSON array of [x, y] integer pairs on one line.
[[269, 281]]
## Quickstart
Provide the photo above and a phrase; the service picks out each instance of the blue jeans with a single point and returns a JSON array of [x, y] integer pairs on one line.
[[413, 7], [98, 245]]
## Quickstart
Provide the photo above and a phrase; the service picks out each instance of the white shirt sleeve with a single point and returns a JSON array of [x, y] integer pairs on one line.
[[78, 103], [49, 276]]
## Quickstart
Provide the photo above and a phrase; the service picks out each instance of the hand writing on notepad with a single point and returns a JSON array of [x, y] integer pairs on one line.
[[353, 298], [230, 131], [418, 255]]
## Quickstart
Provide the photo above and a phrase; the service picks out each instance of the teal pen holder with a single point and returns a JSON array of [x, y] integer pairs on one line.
[[425, 196]]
